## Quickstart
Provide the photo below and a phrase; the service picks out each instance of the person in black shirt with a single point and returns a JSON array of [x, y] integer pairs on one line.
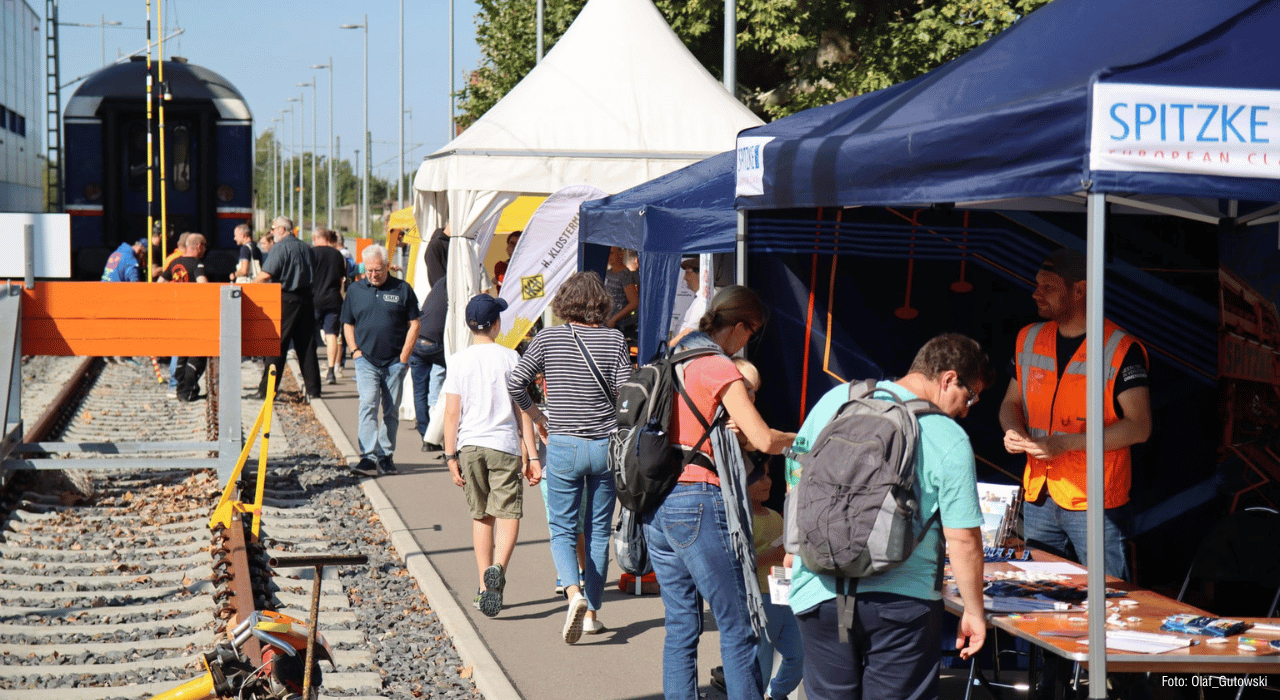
[[427, 363], [189, 267], [330, 274], [289, 264]]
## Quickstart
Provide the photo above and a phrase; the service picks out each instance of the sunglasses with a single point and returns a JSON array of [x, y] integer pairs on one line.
[[973, 397]]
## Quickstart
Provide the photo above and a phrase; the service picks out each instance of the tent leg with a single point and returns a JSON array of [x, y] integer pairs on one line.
[[1095, 489], [741, 248]]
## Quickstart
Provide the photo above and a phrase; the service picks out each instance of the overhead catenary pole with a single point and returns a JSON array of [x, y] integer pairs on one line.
[[315, 130], [160, 93], [151, 218], [400, 123]]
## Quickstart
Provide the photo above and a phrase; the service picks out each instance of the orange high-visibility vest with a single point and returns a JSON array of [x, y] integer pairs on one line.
[[1055, 407]]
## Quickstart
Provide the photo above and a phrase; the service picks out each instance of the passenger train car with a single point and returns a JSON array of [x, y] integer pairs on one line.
[[208, 162]]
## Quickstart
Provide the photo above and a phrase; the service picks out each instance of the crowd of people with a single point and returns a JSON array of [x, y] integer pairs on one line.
[[544, 417]]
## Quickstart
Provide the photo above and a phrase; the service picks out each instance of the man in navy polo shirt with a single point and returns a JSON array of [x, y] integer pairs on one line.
[[380, 322]]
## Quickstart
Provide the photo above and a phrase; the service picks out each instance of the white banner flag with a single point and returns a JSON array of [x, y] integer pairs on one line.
[[545, 256], [1176, 129]]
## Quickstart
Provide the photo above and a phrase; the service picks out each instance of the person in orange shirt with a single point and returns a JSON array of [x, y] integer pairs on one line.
[[1043, 415]]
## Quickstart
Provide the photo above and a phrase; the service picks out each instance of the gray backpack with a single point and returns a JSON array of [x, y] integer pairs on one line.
[[854, 511]]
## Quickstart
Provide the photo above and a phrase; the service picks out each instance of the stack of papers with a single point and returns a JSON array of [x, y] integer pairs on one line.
[[1143, 642]]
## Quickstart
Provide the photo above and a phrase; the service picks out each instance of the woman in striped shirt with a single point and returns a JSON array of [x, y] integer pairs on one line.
[[584, 364]]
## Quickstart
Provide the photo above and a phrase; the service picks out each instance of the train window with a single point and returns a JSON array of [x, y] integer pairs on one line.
[[4, 117], [181, 158], [137, 162], [21, 126]]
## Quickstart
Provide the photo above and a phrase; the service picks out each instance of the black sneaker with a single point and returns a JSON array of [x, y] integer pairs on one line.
[[386, 465], [717, 678], [329, 378], [366, 467]]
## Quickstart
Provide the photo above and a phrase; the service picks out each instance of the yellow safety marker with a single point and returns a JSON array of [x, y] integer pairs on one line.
[[227, 505]]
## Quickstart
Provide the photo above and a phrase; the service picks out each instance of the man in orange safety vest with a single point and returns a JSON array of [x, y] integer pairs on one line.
[[1043, 415]]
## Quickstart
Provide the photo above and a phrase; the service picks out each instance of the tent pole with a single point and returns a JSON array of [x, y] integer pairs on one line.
[[1095, 489], [740, 251]]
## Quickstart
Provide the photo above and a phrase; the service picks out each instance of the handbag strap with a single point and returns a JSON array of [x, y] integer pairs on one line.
[[591, 365]]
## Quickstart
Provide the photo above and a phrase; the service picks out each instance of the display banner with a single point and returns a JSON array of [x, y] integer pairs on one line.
[[750, 167], [545, 256], [1174, 129]]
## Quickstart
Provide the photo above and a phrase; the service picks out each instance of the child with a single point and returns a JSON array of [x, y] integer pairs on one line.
[[783, 632], [482, 447]]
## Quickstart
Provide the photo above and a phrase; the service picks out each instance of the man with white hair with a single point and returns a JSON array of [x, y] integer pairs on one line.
[[380, 322]]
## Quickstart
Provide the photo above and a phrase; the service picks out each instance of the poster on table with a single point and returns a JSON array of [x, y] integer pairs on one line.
[[545, 257]]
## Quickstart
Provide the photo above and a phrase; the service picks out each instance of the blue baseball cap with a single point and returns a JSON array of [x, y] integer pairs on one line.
[[483, 311]]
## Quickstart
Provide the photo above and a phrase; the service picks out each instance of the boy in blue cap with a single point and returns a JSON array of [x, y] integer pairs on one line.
[[482, 446]]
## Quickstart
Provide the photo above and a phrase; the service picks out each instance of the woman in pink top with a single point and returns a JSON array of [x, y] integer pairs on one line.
[[689, 537]]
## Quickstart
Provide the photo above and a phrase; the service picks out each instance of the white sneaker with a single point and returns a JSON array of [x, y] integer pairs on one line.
[[573, 621], [591, 625]]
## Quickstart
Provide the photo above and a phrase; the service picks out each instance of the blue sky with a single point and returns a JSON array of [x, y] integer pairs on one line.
[[266, 47]]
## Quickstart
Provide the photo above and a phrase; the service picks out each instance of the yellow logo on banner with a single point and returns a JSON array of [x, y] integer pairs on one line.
[[532, 287]]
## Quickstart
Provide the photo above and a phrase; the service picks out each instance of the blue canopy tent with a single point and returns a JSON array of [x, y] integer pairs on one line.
[[1027, 121]]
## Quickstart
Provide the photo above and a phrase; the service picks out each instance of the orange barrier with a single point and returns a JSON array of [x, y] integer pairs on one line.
[[125, 319]]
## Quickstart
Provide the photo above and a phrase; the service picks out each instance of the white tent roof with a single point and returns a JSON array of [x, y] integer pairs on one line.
[[617, 101]]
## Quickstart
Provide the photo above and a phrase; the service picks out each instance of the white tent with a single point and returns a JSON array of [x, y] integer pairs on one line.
[[617, 101]]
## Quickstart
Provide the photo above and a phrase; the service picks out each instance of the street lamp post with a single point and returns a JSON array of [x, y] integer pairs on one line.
[[364, 173], [315, 130], [295, 197], [332, 155], [302, 155], [400, 123], [102, 25]]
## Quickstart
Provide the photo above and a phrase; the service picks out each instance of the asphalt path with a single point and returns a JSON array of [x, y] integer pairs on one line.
[[524, 640]]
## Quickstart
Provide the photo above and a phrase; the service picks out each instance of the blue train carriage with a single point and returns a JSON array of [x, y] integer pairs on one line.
[[208, 162]]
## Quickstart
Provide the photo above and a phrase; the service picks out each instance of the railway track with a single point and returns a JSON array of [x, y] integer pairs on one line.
[[117, 591]]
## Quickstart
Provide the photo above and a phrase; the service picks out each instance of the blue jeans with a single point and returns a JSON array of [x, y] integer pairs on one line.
[[784, 635], [173, 373], [688, 539], [1055, 529], [578, 468], [379, 386], [428, 376]]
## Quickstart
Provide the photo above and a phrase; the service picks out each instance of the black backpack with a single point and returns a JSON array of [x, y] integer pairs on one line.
[[645, 463]]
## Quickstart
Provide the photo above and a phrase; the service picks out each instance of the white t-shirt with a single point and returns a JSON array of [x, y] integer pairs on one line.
[[478, 376], [694, 313]]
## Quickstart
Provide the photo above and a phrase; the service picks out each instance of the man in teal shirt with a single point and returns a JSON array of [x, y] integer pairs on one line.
[[895, 646]]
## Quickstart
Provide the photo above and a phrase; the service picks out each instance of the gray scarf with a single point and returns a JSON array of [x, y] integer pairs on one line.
[[732, 471]]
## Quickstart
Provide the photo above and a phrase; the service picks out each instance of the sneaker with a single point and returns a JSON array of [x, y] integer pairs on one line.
[[432, 447], [495, 579], [573, 620], [592, 626], [717, 678], [386, 465], [366, 467], [171, 394], [337, 371], [329, 378], [488, 603]]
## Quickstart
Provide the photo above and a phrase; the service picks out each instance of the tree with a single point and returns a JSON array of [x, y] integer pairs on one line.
[[791, 54], [346, 181]]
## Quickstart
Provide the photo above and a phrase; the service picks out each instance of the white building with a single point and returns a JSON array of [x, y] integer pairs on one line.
[[21, 108]]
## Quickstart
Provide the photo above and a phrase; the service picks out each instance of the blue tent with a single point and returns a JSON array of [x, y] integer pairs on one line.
[[1010, 126], [1011, 119]]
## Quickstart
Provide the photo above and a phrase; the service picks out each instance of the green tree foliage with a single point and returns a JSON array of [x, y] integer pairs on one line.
[[345, 178], [791, 54]]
